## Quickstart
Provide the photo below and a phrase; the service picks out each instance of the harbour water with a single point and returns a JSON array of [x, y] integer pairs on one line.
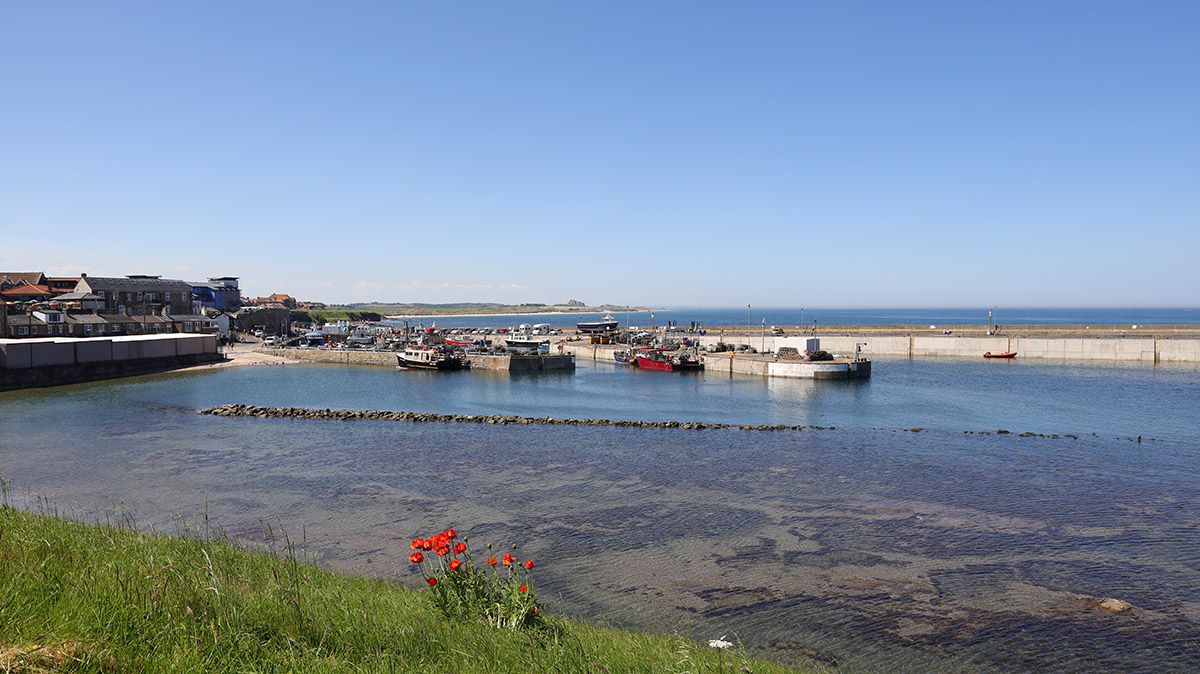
[[904, 534]]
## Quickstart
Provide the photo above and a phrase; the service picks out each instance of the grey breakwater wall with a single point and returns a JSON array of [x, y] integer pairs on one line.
[[1147, 349], [61, 375]]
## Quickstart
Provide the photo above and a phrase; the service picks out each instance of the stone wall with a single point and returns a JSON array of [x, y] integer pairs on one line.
[[342, 356], [60, 375]]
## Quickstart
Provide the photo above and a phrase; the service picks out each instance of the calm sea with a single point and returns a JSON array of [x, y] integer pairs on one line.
[[795, 316], [911, 536]]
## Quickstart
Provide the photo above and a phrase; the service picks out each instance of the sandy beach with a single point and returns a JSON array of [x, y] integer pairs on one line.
[[242, 354]]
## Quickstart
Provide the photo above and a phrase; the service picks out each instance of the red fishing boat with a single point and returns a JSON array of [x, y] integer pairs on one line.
[[1006, 354], [667, 361]]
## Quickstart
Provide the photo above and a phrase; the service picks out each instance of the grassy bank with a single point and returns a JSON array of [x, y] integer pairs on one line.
[[76, 597], [321, 316]]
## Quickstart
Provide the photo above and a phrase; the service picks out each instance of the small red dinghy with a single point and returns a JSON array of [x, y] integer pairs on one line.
[[1006, 354]]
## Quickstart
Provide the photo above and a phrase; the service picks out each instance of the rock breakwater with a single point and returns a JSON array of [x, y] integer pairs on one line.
[[237, 410]]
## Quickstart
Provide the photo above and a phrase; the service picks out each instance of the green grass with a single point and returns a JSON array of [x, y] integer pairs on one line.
[[97, 598], [320, 316]]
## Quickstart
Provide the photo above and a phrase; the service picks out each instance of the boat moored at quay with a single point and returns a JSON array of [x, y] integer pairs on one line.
[[429, 358], [661, 360]]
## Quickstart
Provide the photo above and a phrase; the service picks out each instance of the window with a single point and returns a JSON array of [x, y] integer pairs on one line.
[[121, 309], [22, 330], [87, 329], [139, 297], [151, 297], [100, 294]]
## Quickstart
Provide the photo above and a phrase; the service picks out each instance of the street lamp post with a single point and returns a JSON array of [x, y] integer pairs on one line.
[[747, 326], [764, 335]]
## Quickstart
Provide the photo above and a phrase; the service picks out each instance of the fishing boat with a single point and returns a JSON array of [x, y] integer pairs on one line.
[[456, 340], [606, 324], [1006, 354], [667, 361], [624, 357], [429, 358]]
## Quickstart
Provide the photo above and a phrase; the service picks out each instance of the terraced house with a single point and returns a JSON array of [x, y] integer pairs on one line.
[[108, 306], [139, 294]]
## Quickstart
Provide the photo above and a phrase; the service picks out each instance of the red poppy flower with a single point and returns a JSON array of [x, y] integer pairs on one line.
[[442, 552], [454, 564], [491, 561], [523, 588], [431, 581], [451, 534], [529, 563], [427, 544], [458, 549], [417, 543], [508, 559], [416, 558], [533, 610]]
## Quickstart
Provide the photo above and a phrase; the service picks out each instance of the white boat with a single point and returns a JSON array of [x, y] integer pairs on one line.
[[606, 324], [429, 358]]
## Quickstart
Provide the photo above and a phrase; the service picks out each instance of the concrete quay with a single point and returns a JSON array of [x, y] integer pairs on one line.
[[763, 365], [522, 363], [57, 361], [1174, 344], [500, 363]]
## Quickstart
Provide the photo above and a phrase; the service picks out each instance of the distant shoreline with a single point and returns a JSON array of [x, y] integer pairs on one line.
[[537, 313]]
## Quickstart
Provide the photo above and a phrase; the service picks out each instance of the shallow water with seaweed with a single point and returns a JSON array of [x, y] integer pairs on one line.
[[869, 547]]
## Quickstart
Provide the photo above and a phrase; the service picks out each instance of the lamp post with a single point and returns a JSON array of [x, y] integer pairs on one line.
[[747, 326], [764, 335]]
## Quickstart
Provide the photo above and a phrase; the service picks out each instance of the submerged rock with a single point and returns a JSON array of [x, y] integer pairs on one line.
[[1113, 605]]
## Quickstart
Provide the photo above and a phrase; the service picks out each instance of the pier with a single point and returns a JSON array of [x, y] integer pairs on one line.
[[1143, 345], [500, 363]]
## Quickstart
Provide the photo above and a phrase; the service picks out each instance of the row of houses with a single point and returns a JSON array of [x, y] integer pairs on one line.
[[36, 305], [50, 323]]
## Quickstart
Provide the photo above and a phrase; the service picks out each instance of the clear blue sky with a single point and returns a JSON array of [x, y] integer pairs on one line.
[[686, 153]]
